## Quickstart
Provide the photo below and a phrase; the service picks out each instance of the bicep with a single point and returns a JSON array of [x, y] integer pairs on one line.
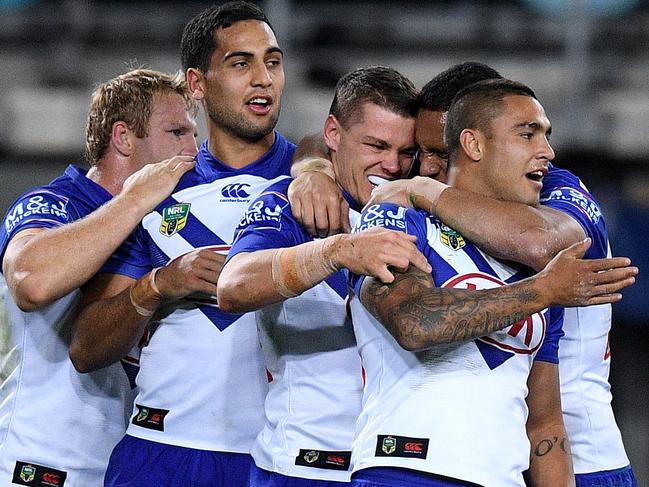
[[15, 248]]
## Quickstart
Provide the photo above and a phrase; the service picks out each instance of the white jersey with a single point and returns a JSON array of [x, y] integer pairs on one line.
[[202, 380], [456, 410], [314, 396], [595, 440], [57, 426]]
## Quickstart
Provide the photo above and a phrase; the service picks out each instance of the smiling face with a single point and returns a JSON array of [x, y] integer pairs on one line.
[[379, 143], [516, 151], [171, 131], [429, 135], [242, 89]]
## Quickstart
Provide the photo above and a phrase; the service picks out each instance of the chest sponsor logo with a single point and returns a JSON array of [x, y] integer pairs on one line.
[[235, 192], [150, 418], [401, 446], [378, 216], [38, 475], [328, 460], [174, 218], [451, 238], [259, 212]]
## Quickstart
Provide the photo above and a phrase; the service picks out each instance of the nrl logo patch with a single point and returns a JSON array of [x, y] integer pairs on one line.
[[389, 445], [174, 219], [27, 473], [311, 456], [142, 415], [451, 238]]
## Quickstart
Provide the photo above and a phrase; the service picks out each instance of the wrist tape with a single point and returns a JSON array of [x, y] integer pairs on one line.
[[296, 269], [145, 295]]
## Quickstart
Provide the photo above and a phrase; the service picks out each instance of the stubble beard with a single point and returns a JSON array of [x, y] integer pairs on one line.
[[241, 128]]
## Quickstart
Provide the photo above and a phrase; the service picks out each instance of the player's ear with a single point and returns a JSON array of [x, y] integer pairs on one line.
[[332, 133], [121, 138], [196, 83], [472, 143]]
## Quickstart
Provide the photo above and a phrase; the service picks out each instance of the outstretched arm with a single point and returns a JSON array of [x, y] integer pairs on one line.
[[115, 309], [42, 265], [252, 280], [550, 460], [420, 315], [507, 230]]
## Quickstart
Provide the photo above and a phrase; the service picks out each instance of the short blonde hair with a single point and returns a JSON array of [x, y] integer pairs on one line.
[[129, 98]]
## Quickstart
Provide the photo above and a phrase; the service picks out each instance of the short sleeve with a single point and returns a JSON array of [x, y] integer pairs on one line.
[[37, 209], [549, 351], [568, 195], [268, 223]]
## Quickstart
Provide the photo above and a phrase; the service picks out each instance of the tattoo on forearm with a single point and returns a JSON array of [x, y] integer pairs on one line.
[[413, 308], [546, 445]]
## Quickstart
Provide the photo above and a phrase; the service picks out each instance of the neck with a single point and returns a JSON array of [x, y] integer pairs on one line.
[[465, 175], [235, 151], [109, 175]]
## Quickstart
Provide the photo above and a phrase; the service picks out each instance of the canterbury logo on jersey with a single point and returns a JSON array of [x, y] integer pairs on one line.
[[38, 475], [401, 446], [237, 191], [329, 460], [150, 418]]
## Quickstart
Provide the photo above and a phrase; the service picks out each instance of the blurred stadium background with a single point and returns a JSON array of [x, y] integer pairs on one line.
[[588, 61]]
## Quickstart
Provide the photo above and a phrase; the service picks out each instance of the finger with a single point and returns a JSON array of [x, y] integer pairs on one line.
[[321, 220], [333, 217], [206, 286], [182, 164], [604, 299], [605, 264], [420, 261], [296, 209], [308, 220], [207, 274], [578, 249], [613, 275], [383, 275], [613, 287], [398, 263], [344, 217]]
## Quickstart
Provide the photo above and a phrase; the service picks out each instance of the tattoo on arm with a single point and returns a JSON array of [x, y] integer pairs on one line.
[[420, 315], [546, 445]]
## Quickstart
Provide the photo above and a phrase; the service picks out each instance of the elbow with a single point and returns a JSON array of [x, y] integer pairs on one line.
[[408, 341], [30, 295], [229, 292], [80, 363], [535, 253], [409, 345]]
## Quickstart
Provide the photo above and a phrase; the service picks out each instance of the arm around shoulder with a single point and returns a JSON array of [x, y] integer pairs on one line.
[[513, 231]]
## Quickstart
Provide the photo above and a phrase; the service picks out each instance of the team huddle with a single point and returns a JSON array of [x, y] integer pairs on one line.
[[415, 296]]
